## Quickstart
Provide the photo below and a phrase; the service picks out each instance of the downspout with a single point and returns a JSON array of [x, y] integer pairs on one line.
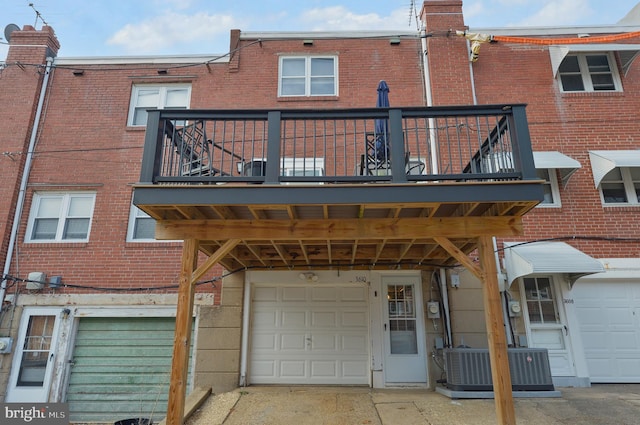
[[23, 184], [246, 306], [445, 302], [429, 97], [434, 169], [505, 314]]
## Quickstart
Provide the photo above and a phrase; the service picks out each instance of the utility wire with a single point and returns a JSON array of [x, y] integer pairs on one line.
[[390, 264]]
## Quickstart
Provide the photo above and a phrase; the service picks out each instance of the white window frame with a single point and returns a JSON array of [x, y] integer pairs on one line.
[[136, 214], [552, 183], [586, 75], [63, 216], [307, 76], [162, 89], [629, 187]]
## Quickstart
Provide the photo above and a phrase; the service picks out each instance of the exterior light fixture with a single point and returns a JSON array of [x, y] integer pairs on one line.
[[309, 277]]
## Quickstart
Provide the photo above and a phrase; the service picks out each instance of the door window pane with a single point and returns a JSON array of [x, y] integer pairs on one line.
[[402, 319], [541, 303], [35, 352]]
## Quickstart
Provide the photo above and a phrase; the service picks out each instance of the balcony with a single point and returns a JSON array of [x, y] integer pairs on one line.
[[324, 188]]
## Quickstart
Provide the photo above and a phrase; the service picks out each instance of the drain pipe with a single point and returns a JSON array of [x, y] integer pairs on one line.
[[445, 302], [23, 184], [429, 97], [246, 306], [505, 314], [434, 169]]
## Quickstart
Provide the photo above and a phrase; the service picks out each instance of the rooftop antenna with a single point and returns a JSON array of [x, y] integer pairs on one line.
[[38, 16], [413, 12]]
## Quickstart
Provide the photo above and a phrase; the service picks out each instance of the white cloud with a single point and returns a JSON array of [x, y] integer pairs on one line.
[[340, 18], [471, 10], [171, 29], [558, 12]]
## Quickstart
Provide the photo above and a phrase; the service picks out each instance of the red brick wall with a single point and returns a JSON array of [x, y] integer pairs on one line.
[[20, 84], [85, 144], [571, 123]]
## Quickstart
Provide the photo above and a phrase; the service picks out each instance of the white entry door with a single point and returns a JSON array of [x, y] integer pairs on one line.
[[403, 328], [33, 359], [546, 323]]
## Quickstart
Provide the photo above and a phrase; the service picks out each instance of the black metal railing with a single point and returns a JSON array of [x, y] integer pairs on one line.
[[338, 146]]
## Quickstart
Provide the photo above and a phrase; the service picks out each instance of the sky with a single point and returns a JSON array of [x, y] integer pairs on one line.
[[168, 27]]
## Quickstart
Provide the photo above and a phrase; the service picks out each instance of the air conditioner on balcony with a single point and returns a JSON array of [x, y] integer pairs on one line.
[[469, 369], [497, 162]]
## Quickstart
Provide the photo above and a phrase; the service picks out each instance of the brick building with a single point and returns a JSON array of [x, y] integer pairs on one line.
[[89, 295]]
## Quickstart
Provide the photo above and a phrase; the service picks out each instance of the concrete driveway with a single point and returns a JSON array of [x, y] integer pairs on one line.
[[602, 404]]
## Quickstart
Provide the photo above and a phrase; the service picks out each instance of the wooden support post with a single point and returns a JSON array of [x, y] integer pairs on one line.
[[496, 333], [182, 339]]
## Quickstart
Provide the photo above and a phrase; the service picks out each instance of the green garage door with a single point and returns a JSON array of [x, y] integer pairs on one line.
[[121, 369]]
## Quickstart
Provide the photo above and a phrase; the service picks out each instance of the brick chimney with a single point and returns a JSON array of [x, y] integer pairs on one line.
[[447, 55], [20, 84]]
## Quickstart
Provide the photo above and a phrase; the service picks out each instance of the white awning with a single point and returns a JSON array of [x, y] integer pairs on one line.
[[565, 165], [548, 258], [604, 161], [627, 52]]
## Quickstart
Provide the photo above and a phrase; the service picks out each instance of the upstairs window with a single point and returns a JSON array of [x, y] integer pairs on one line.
[[143, 97], [621, 186], [308, 76], [551, 188], [142, 227], [60, 217], [588, 73]]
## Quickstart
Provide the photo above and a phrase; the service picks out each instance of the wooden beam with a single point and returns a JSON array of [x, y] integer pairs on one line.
[[213, 259], [459, 255], [498, 355], [182, 338], [340, 229]]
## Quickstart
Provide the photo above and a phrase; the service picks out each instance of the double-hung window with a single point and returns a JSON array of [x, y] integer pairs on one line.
[[621, 186], [592, 72], [60, 217], [142, 227], [147, 96], [308, 76], [550, 187]]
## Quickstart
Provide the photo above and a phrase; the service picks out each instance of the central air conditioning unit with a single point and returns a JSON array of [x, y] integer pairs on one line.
[[469, 369], [497, 162]]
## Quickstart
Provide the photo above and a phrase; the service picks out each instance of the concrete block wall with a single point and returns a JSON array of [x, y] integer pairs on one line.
[[217, 359]]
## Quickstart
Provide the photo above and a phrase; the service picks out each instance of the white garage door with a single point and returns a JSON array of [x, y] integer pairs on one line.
[[609, 315], [309, 335]]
